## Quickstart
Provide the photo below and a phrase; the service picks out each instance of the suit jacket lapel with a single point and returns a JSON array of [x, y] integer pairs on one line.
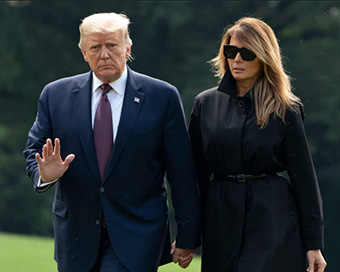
[[82, 109], [133, 101]]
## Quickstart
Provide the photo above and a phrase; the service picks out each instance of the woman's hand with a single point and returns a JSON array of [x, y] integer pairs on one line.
[[316, 261], [182, 256]]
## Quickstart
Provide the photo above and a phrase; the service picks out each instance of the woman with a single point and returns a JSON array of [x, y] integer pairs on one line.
[[243, 133]]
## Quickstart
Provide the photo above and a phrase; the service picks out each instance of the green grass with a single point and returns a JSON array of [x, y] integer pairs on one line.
[[23, 253]]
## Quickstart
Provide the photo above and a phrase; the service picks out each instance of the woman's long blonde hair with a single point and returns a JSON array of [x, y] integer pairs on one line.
[[273, 90]]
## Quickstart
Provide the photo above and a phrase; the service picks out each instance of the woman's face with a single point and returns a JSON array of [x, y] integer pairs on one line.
[[244, 72]]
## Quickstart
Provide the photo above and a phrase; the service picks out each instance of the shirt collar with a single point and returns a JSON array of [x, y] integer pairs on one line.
[[118, 85], [228, 86]]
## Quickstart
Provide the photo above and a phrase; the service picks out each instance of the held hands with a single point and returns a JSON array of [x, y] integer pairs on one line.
[[316, 261], [182, 256], [51, 165]]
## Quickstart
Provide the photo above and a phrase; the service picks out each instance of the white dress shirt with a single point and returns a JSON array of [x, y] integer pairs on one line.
[[115, 96]]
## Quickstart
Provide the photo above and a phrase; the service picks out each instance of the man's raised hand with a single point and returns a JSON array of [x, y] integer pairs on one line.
[[51, 165]]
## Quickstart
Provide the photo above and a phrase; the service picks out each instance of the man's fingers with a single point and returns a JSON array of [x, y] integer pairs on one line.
[[184, 265], [47, 149], [183, 256], [51, 154], [49, 146], [173, 246], [56, 150], [38, 158], [175, 258], [186, 258], [69, 159], [44, 151], [185, 261], [172, 250]]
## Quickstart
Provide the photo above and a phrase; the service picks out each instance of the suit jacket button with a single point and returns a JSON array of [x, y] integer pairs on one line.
[[97, 221], [102, 189]]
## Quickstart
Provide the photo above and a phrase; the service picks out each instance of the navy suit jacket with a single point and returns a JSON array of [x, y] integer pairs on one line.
[[152, 142]]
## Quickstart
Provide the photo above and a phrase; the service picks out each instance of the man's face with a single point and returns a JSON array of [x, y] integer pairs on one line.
[[106, 55]]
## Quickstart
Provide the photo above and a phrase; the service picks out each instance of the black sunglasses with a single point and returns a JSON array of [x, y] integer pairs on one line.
[[230, 52]]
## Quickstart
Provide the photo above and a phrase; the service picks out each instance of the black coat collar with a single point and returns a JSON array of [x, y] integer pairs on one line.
[[228, 86]]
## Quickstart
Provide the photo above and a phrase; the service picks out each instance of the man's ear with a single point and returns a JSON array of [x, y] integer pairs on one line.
[[84, 54], [128, 52]]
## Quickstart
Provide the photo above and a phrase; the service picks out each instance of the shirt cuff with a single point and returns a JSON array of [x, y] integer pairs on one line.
[[42, 187]]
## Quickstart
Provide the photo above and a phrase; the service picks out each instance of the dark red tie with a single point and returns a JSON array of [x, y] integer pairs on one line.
[[102, 130]]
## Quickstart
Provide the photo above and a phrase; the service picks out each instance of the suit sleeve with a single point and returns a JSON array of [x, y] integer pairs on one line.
[[181, 175], [302, 175], [202, 169], [37, 136]]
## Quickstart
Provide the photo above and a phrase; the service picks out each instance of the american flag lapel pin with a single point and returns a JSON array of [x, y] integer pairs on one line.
[[136, 100]]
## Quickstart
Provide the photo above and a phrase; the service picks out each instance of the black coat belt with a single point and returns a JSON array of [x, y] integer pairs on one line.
[[240, 177]]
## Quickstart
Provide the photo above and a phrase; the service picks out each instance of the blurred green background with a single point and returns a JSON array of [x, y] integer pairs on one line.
[[172, 40]]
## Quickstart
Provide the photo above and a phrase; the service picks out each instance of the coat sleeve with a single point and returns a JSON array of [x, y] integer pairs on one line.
[[37, 136], [201, 166], [181, 175], [303, 177]]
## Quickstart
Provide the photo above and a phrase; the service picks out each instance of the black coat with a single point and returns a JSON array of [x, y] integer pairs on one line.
[[262, 225]]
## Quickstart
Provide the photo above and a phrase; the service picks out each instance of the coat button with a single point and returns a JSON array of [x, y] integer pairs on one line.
[[102, 189], [240, 104], [97, 221]]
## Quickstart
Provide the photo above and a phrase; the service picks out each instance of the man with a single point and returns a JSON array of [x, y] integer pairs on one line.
[[110, 207]]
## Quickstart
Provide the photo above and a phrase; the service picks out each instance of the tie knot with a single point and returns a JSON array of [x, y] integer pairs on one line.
[[106, 88]]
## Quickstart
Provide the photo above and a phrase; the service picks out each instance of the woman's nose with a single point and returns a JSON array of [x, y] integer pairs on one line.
[[238, 57]]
